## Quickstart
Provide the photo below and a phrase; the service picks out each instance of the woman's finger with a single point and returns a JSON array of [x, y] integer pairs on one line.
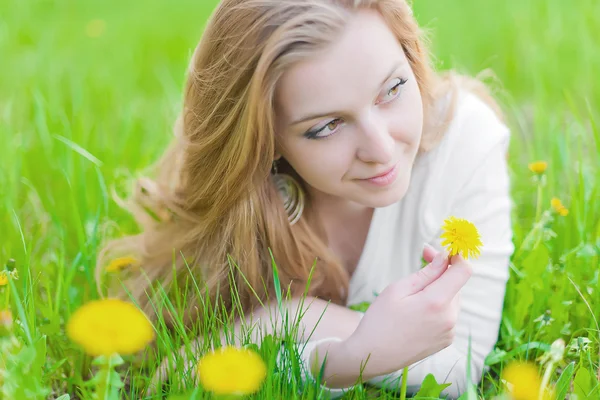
[[422, 278], [450, 283], [455, 304], [429, 252]]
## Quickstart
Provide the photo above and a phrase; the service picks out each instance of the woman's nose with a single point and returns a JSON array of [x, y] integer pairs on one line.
[[375, 145]]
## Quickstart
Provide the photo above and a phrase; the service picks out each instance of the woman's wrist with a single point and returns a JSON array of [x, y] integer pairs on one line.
[[344, 363]]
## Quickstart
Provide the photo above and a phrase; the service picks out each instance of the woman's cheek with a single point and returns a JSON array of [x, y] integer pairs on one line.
[[407, 123], [329, 164]]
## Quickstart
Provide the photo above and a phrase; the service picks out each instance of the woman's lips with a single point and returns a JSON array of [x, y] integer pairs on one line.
[[384, 179]]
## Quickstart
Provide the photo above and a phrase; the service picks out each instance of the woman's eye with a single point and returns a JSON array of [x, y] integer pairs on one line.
[[327, 130], [394, 91]]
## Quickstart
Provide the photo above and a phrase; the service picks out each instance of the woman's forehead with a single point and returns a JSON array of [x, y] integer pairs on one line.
[[352, 66]]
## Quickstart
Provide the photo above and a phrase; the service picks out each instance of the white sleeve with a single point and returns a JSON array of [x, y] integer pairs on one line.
[[484, 200]]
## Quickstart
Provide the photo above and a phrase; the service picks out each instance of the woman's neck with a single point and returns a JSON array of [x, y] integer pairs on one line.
[[346, 225]]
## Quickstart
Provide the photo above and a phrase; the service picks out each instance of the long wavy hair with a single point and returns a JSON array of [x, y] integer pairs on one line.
[[211, 207]]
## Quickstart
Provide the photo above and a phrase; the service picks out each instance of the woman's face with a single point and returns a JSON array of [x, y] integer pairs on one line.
[[349, 120]]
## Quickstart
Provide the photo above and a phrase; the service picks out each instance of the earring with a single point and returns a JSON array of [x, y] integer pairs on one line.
[[291, 193]]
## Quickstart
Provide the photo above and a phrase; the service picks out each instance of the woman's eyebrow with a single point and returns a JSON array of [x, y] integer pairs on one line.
[[310, 117]]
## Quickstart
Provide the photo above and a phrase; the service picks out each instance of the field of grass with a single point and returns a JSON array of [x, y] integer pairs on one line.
[[88, 94]]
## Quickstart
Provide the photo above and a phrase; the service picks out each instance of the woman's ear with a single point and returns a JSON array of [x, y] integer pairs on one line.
[[277, 156]]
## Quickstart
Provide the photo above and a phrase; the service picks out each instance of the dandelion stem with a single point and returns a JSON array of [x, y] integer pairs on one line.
[[107, 385], [545, 380], [538, 207], [7, 297], [404, 383], [102, 390]]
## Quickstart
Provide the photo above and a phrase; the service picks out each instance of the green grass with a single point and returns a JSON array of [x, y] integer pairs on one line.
[[79, 114]]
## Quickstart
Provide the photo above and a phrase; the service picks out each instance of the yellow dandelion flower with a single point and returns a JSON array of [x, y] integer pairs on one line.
[[122, 263], [556, 203], [109, 326], [523, 381], [5, 274], [558, 206], [538, 167], [461, 236], [232, 370], [3, 278]]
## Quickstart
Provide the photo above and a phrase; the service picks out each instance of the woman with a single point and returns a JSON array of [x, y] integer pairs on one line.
[[318, 131]]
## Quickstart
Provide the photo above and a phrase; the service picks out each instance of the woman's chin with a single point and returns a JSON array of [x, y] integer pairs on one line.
[[384, 198], [385, 201], [380, 200]]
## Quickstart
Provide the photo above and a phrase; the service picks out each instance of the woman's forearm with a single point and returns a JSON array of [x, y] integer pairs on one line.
[[346, 361], [322, 320], [318, 319]]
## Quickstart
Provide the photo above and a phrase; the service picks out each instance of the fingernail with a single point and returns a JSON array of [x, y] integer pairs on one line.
[[428, 246]]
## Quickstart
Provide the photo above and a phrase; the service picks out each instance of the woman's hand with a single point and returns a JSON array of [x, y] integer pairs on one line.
[[412, 318]]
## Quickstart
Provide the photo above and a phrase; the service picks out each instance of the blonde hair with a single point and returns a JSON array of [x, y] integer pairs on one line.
[[212, 196]]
